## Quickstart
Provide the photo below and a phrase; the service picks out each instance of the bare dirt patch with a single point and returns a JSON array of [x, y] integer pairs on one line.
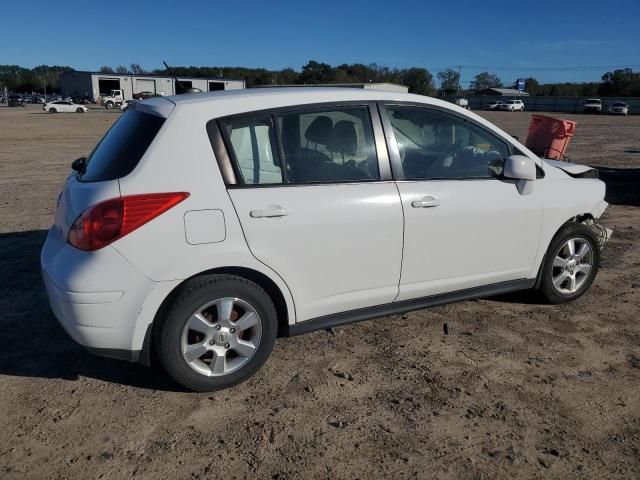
[[517, 389]]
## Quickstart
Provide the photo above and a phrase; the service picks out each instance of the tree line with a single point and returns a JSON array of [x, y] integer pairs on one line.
[[624, 82]]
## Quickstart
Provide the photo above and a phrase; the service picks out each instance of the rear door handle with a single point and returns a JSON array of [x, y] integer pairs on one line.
[[426, 202], [269, 212]]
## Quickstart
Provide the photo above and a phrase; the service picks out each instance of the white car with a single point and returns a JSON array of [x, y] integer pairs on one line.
[[512, 106], [493, 105], [126, 104], [63, 106], [592, 105], [203, 227], [619, 108]]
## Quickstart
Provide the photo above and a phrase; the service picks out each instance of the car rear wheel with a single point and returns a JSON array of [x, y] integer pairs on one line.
[[53, 110], [571, 264], [218, 331]]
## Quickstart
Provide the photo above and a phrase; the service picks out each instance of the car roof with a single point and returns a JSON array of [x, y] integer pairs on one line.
[[272, 96]]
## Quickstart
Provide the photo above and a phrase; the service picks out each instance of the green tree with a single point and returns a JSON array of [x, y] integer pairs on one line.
[[288, 76], [449, 81], [419, 81], [620, 83], [485, 80], [314, 72], [531, 86]]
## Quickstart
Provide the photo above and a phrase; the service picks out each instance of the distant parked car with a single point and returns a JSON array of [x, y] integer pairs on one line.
[[494, 105], [15, 101], [64, 106], [82, 100], [619, 108], [38, 99], [462, 102], [143, 95], [126, 104], [592, 105], [512, 106]]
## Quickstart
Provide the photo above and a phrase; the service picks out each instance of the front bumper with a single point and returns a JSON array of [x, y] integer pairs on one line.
[[96, 296]]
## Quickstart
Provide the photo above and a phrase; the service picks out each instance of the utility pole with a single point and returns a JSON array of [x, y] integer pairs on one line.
[[458, 91]]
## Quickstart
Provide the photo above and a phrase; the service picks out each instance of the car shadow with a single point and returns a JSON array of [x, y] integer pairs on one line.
[[623, 185], [32, 342]]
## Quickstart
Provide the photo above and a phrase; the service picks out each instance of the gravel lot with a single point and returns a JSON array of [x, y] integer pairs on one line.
[[516, 390]]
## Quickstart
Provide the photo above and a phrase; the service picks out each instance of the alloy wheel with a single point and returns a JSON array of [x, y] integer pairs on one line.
[[221, 336], [572, 265]]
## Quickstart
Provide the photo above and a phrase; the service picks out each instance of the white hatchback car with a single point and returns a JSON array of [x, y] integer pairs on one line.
[[204, 226], [64, 106]]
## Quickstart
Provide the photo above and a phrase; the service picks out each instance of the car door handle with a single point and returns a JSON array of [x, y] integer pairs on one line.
[[426, 202], [269, 212]]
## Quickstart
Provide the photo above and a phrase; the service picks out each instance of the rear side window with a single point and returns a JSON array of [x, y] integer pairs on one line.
[[329, 145], [255, 150], [122, 147], [323, 145]]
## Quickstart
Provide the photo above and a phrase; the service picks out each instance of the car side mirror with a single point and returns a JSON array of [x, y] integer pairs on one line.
[[523, 169], [79, 165], [520, 167]]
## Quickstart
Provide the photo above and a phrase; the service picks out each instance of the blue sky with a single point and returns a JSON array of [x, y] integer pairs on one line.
[[535, 38]]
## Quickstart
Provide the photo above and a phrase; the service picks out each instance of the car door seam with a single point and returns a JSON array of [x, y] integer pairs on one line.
[[403, 241], [246, 241]]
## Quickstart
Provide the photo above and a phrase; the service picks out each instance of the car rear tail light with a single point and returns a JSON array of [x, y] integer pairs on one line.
[[107, 221]]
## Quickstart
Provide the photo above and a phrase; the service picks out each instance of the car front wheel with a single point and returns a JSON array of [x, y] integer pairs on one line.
[[219, 330], [571, 264], [53, 110]]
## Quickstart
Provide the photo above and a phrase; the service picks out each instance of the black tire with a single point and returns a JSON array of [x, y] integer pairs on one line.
[[53, 110], [79, 110], [194, 294], [576, 231], [108, 105]]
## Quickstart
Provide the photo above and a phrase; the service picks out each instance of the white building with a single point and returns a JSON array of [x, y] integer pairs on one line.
[[96, 84]]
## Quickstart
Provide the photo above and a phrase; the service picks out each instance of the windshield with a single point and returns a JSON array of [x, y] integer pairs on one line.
[[593, 100], [122, 147], [619, 104]]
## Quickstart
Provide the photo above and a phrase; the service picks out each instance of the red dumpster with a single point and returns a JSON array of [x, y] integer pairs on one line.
[[548, 137]]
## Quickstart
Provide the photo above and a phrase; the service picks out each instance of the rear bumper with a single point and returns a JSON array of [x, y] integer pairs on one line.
[[96, 297]]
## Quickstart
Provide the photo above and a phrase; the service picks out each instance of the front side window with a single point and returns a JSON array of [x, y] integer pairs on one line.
[[255, 150], [328, 145], [436, 145]]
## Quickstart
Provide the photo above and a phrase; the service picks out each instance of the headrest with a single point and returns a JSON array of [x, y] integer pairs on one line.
[[343, 138], [319, 130]]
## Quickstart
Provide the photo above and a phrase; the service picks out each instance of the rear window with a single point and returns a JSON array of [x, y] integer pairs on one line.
[[122, 147]]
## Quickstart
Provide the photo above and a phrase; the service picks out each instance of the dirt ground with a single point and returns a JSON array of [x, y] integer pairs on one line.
[[517, 389]]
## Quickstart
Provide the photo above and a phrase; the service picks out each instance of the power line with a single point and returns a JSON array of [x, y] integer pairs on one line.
[[528, 67]]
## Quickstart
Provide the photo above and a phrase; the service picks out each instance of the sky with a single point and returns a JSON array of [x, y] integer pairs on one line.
[[561, 40]]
